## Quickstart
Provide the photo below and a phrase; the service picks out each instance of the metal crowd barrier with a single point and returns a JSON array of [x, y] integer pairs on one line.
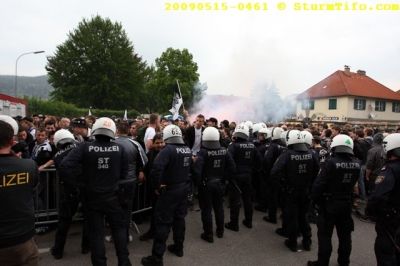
[[47, 198]]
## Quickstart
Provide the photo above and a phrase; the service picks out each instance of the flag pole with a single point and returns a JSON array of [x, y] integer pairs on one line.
[[179, 88]]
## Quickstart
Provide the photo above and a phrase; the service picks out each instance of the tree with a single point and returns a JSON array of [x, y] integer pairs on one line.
[[96, 66], [172, 65]]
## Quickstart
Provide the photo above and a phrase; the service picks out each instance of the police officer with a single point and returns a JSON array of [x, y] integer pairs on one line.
[[384, 205], [332, 193], [18, 179], [248, 161], [294, 171], [101, 166], [275, 149], [69, 197], [262, 145], [213, 163], [170, 173]]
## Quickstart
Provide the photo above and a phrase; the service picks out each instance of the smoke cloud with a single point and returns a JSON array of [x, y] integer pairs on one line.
[[264, 104]]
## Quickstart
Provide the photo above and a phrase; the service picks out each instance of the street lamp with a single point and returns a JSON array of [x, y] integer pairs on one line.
[[16, 68]]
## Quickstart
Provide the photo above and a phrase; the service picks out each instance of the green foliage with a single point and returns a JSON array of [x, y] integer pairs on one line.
[[59, 108], [96, 66], [172, 65]]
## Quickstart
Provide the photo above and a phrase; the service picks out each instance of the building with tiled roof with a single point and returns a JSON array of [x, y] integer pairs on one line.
[[349, 97]]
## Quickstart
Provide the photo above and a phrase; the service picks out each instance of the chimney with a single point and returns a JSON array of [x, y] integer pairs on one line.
[[347, 69], [361, 72]]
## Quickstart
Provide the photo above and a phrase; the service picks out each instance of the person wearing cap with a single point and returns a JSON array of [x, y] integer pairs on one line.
[[332, 194], [212, 122], [17, 215], [69, 197], [170, 175], [293, 172], [212, 166], [102, 170], [80, 129], [384, 205], [248, 161]]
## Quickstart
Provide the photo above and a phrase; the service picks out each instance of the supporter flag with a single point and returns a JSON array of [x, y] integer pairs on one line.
[[90, 112], [177, 101], [125, 115]]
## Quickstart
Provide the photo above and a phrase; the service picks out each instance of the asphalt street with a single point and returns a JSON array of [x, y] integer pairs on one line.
[[257, 246]]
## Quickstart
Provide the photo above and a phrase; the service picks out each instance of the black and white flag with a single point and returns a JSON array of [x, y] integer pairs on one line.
[[177, 101]]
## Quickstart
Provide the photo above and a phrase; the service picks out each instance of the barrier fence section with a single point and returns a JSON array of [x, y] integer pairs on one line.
[[47, 198]]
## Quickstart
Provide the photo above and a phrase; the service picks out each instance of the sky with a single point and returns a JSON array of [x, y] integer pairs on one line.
[[236, 51]]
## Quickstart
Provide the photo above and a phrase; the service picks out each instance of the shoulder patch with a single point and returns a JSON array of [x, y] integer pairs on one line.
[[379, 179], [383, 168]]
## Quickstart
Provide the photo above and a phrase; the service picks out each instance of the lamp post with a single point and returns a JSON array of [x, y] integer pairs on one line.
[[16, 68]]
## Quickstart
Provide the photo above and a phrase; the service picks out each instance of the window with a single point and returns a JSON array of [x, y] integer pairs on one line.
[[332, 104], [380, 106], [359, 104], [308, 104], [396, 107]]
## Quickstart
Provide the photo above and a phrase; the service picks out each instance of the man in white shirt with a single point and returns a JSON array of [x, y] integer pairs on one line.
[[193, 134], [154, 124]]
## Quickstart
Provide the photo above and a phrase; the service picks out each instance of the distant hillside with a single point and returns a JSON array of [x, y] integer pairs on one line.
[[27, 86]]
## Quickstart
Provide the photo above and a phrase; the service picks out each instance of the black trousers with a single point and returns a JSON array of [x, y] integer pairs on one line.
[[69, 202], [170, 211], [244, 184], [385, 251], [211, 197], [344, 226], [116, 217], [295, 216]]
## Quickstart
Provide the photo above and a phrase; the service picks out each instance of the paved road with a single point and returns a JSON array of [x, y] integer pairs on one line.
[[257, 246]]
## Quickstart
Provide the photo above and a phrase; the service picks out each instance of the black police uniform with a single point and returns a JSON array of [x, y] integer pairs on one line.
[[101, 166], [258, 178], [384, 204], [294, 171], [18, 178], [70, 198], [171, 170], [248, 161], [332, 193], [210, 168], [273, 151]]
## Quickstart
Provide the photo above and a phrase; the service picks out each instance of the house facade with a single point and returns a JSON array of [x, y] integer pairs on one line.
[[349, 97]]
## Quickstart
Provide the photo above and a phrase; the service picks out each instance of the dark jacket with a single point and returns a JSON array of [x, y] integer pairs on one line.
[[18, 178], [190, 136], [246, 157]]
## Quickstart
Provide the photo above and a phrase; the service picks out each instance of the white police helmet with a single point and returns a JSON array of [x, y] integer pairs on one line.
[[342, 144], [392, 143], [307, 137], [294, 139], [172, 134], [266, 132], [258, 126], [104, 126], [276, 133], [241, 131], [8, 119], [62, 137], [210, 138]]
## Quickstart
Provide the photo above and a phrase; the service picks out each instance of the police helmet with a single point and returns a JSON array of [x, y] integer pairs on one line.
[[8, 119], [294, 140], [210, 138], [257, 127], [391, 143], [276, 133], [307, 137], [266, 132], [241, 131], [342, 144], [62, 137], [172, 134], [104, 126]]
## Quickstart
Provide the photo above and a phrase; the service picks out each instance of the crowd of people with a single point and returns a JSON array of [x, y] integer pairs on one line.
[[312, 173]]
